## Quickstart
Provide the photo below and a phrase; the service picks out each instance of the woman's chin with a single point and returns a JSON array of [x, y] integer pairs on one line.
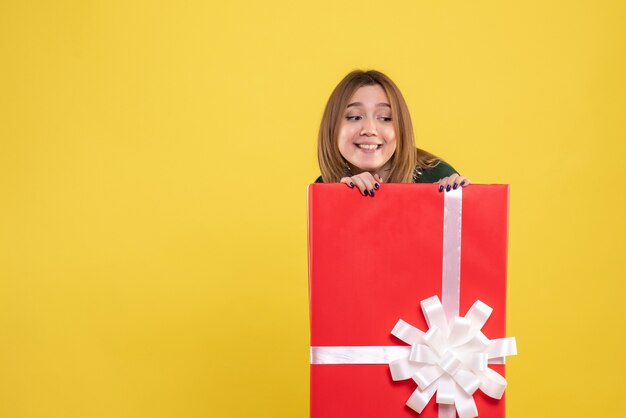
[[371, 165], [367, 167]]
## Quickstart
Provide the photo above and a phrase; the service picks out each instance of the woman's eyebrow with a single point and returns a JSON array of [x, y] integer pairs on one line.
[[361, 104]]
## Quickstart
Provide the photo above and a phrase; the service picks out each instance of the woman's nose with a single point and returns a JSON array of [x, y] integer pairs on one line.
[[369, 127]]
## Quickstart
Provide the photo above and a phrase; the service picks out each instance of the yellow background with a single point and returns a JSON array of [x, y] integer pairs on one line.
[[154, 158]]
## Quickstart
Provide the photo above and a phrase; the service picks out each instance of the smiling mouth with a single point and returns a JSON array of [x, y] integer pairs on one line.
[[369, 146]]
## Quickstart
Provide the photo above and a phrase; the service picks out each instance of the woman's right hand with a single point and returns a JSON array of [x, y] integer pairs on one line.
[[365, 181]]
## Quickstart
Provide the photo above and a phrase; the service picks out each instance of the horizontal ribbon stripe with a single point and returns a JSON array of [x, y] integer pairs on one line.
[[358, 354]]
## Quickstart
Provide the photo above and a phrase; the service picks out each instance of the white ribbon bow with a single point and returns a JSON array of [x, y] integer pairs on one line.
[[451, 358]]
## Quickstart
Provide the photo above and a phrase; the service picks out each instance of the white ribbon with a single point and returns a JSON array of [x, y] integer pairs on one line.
[[451, 358], [369, 354], [451, 258]]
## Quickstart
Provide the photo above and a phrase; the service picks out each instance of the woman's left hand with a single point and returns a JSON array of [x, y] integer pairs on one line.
[[452, 182]]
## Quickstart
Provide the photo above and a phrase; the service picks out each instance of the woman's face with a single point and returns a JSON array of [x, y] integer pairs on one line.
[[367, 139]]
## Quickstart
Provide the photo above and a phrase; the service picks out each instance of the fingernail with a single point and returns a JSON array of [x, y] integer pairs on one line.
[[351, 184], [376, 186], [365, 192], [440, 188], [463, 182], [454, 187], [372, 192], [448, 188]]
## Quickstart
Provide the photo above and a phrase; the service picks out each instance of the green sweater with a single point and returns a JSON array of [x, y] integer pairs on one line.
[[429, 175]]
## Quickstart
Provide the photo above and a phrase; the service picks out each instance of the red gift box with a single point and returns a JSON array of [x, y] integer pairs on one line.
[[371, 262]]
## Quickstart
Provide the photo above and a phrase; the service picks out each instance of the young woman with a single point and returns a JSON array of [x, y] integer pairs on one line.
[[366, 136]]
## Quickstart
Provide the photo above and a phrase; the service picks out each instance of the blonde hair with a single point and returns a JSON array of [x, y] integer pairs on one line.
[[406, 157]]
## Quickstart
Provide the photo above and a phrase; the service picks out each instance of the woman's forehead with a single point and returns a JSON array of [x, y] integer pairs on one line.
[[373, 96]]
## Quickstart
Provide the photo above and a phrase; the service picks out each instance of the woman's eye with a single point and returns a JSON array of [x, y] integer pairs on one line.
[[353, 117], [386, 118]]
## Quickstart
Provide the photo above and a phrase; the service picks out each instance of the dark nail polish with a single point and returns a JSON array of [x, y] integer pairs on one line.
[[365, 193], [351, 185], [376, 186], [448, 188], [463, 182], [372, 192], [455, 186], [440, 188]]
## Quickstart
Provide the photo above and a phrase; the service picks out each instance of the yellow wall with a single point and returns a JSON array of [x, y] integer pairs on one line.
[[153, 168]]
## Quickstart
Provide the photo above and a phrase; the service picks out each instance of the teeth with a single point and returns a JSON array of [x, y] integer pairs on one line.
[[366, 146]]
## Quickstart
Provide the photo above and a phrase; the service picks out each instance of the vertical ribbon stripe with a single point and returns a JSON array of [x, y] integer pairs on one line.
[[451, 273], [451, 269]]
